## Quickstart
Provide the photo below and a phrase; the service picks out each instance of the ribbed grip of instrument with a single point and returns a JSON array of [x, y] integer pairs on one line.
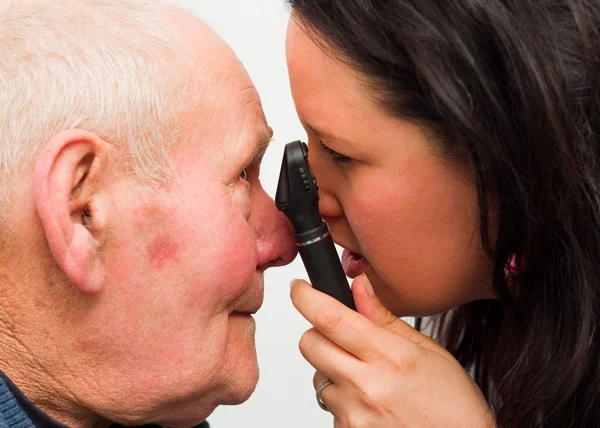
[[325, 270]]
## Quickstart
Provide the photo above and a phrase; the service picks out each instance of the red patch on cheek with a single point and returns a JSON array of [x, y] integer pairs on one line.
[[162, 250]]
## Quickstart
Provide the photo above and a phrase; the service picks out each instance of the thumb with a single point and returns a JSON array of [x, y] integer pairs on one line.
[[368, 304]]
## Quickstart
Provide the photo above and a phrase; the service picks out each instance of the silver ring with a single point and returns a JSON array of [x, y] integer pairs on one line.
[[320, 389]]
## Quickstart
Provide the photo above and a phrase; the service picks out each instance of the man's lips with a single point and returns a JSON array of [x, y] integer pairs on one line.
[[252, 299], [249, 311], [249, 307], [353, 263]]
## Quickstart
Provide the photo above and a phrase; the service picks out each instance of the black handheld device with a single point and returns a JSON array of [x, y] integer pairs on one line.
[[298, 197]]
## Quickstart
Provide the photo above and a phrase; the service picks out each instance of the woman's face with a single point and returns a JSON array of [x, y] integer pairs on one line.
[[406, 217]]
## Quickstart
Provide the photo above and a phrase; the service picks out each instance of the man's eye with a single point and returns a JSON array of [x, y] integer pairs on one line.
[[243, 175], [335, 156]]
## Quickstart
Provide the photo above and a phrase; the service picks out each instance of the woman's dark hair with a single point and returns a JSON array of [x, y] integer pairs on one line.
[[510, 88]]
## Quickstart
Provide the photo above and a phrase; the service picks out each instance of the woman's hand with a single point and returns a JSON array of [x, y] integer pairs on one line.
[[385, 373]]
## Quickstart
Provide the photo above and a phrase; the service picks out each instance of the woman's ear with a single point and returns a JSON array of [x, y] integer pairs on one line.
[[69, 195]]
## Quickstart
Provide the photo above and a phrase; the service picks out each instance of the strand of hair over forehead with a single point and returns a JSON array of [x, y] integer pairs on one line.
[[107, 66]]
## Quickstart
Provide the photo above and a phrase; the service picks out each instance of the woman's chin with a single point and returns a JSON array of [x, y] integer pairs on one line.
[[403, 304]]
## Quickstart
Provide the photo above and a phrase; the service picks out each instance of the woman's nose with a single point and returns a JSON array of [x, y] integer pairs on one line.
[[329, 205]]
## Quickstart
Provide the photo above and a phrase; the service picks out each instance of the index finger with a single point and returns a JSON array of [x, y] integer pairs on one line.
[[343, 326]]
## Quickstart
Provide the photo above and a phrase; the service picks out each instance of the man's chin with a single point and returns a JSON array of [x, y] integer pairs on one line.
[[237, 392], [238, 367], [244, 385]]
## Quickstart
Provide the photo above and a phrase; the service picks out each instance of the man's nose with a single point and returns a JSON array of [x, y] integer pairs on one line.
[[275, 235]]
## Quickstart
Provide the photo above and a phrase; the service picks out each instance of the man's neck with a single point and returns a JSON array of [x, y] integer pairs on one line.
[[37, 381]]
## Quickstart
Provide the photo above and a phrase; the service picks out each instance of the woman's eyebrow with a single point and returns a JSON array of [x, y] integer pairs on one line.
[[325, 134], [312, 129]]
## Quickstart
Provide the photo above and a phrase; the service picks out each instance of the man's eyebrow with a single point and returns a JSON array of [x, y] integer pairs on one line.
[[262, 144]]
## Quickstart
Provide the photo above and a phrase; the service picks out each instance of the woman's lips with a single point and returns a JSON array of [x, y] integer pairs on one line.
[[353, 263]]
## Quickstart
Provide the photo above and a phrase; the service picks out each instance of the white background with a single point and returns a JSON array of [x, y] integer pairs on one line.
[[285, 396]]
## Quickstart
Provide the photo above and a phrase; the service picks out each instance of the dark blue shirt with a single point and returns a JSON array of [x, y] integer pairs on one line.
[[17, 411]]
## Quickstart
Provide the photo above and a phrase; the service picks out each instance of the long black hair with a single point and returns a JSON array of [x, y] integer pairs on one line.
[[510, 88]]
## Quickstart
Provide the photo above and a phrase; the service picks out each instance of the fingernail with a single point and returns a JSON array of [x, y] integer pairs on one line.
[[294, 281], [367, 285]]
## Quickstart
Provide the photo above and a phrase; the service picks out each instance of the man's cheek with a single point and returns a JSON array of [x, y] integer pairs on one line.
[[162, 250], [237, 260], [218, 271]]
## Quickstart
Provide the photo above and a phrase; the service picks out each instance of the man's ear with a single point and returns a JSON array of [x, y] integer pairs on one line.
[[68, 194]]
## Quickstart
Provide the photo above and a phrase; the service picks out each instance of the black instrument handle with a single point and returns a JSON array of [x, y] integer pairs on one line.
[[325, 270]]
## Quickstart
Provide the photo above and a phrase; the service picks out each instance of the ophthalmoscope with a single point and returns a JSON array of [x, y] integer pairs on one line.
[[298, 197]]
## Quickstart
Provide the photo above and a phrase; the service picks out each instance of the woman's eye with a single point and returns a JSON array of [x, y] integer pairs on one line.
[[335, 156], [243, 175]]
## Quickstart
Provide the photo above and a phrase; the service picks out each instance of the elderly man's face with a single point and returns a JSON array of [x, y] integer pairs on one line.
[[186, 261]]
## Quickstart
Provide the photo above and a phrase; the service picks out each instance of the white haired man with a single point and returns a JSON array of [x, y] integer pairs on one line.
[[134, 231]]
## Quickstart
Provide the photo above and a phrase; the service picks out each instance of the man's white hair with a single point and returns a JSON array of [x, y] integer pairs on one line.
[[107, 66]]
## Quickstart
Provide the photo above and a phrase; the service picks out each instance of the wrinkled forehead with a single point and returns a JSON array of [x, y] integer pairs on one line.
[[225, 108]]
